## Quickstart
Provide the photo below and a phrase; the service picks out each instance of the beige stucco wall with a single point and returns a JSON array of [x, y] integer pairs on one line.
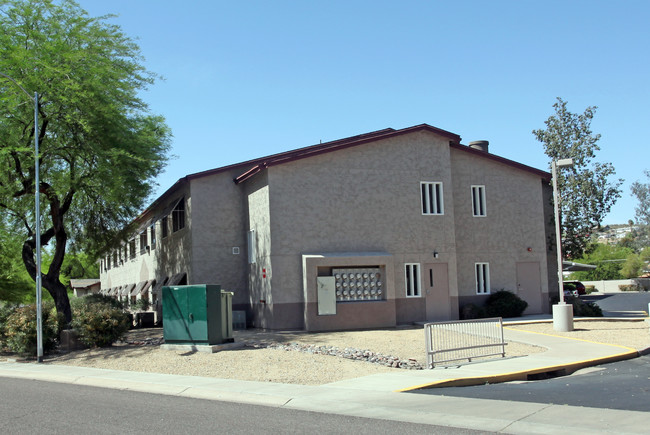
[[171, 255], [217, 228], [365, 198], [512, 231]]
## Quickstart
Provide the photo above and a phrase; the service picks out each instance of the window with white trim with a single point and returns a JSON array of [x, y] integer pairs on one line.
[[143, 242], [178, 216], [482, 271], [412, 280], [478, 201], [431, 196], [152, 230], [131, 249]]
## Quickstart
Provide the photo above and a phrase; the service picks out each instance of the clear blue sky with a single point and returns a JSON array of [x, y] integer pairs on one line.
[[244, 79]]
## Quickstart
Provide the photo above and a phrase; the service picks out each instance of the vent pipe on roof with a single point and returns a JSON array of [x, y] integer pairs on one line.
[[481, 145]]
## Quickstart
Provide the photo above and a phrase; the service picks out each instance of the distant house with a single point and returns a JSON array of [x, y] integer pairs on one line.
[[83, 287], [385, 228]]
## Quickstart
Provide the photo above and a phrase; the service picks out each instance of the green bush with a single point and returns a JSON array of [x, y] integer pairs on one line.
[[98, 320], [504, 304], [589, 289], [628, 288], [584, 309], [18, 332]]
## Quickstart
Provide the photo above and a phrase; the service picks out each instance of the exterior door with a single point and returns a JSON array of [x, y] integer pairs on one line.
[[436, 287], [529, 286]]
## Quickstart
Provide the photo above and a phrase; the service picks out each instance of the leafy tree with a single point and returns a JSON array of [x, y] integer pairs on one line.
[[100, 148], [608, 259], [633, 266], [15, 284], [586, 191], [642, 193]]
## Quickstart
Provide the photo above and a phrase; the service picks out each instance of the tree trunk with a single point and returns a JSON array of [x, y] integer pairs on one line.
[[51, 281]]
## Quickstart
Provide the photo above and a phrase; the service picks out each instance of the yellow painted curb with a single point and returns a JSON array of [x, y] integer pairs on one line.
[[523, 374]]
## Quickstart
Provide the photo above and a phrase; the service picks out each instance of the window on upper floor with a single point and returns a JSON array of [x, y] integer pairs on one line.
[[131, 249], [412, 280], [431, 196], [178, 216], [478, 201], [143, 242], [482, 271], [152, 234], [108, 262], [164, 226]]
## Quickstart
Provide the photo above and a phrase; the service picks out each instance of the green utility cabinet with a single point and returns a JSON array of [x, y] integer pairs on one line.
[[197, 314]]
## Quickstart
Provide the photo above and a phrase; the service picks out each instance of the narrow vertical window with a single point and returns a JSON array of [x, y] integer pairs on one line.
[[131, 249], [432, 198], [412, 279], [178, 216], [152, 230], [478, 201], [252, 247], [143, 242], [482, 278], [164, 226]]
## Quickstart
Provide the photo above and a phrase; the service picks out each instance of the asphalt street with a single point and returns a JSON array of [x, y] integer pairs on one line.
[[28, 407], [620, 302], [623, 385]]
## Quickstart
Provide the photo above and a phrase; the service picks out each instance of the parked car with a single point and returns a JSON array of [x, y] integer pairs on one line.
[[575, 288]]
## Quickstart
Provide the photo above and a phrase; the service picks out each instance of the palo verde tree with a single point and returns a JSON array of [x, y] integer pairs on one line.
[[100, 148], [586, 190], [642, 193]]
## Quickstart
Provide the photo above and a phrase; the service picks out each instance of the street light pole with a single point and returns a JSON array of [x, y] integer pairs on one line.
[[562, 313], [37, 211]]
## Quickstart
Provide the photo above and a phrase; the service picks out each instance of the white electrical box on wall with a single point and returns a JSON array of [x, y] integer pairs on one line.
[[326, 295]]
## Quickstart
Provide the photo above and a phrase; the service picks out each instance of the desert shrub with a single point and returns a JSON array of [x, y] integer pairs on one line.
[[504, 304], [141, 305], [471, 311], [97, 297], [5, 311], [98, 320], [628, 287], [19, 328], [584, 309]]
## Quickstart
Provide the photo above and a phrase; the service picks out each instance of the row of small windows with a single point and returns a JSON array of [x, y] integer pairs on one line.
[[147, 238], [433, 203], [412, 279]]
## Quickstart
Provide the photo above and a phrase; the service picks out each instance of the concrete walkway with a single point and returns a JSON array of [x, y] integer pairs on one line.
[[379, 396]]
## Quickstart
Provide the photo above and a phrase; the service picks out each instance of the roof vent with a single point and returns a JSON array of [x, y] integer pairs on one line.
[[481, 145]]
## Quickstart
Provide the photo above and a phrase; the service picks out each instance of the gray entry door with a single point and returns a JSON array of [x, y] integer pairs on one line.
[[436, 288], [529, 286]]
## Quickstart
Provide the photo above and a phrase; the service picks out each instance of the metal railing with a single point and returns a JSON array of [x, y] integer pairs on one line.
[[463, 340]]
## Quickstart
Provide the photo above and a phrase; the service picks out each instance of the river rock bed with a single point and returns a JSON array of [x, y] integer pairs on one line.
[[347, 353]]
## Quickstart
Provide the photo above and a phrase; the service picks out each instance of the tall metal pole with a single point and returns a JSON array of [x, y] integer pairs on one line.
[[558, 229], [37, 237], [37, 200], [562, 312]]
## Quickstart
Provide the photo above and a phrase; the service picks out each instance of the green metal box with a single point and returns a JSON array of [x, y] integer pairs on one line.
[[197, 314]]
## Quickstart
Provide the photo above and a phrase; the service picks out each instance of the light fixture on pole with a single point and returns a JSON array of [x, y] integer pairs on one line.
[[37, 211], [562, 313]]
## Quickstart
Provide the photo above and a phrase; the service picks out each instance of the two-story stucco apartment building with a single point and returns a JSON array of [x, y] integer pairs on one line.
[[385, 228]]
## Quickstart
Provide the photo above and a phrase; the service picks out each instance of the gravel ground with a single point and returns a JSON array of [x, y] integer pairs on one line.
[[271, 356]]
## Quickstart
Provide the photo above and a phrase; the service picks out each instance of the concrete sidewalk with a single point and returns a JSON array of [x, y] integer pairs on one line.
[[378, 396]]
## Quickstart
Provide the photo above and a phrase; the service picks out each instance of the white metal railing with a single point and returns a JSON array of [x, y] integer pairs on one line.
[[463, 339]]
